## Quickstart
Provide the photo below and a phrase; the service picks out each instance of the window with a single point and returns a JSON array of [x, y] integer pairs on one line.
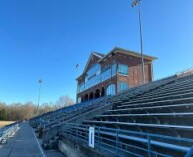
[[95, 75], [81, 87], [111, 89], [122, 86], [94, 70], [105, 75], [123, 69], [79, 100], [86, 78], [114, 66]]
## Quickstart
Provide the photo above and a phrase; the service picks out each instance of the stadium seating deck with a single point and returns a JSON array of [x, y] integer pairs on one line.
[[154, 119], [166, 110]]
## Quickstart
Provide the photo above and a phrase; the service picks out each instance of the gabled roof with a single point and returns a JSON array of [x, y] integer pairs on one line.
[[128, 52], [113, 51], [99, 55]]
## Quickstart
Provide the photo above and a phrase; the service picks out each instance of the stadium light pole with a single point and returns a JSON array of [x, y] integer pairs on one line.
[[134, 4], [39, 94]]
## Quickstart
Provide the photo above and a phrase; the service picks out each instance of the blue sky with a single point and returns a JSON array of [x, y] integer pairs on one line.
[[47, 38]]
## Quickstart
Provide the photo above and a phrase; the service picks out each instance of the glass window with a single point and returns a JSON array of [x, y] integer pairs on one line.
[[95, 75], [123, 69], [113, 69], [86, 78], [81, 87], [122, 86], [94, 70], [79, 100], [111, 90]]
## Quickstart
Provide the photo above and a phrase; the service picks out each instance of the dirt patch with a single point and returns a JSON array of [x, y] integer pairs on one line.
[[3, 123]]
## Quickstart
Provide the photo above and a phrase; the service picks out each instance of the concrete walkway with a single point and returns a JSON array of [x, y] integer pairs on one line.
[[22, 144]]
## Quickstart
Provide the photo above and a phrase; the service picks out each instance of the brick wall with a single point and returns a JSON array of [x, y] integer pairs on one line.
[[133, 79]]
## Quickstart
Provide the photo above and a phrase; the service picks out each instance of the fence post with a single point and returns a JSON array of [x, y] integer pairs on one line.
[[149, 146]]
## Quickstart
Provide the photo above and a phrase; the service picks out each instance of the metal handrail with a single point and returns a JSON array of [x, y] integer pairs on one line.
[[190, 152], [79, 131]]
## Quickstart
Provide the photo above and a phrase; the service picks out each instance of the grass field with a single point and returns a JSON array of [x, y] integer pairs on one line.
[[3, 123]]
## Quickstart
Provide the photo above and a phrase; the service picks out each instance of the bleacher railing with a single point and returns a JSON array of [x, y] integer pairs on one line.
[[190, 153], [115, 141]]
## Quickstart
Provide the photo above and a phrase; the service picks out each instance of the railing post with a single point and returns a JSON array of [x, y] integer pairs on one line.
[[190, 152], [99, 137], [149, 146], [70, 131], [77, 133], [117, 140]]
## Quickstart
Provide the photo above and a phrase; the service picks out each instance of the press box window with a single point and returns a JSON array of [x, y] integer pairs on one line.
[[123, 69]]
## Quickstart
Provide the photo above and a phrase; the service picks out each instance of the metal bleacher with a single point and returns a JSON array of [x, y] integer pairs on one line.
[[7, 131], [53, 118], [155, 119], [47, 124], [74, 111]]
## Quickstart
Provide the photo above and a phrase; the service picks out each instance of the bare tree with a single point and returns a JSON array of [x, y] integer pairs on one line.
[[64, 101], [20, 111]]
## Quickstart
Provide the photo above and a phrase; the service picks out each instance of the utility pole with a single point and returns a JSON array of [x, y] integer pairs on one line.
[[134, 4]]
